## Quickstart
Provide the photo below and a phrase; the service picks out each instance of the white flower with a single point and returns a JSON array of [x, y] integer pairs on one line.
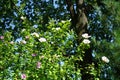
[[57, 28], [22, 17], [35, 34], [85, 35], [11, 42], [42, 40], [63, 21], [86, 41], [23, 41], [105, 59]]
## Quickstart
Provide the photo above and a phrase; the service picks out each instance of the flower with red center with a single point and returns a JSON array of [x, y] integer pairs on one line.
[[23, 76]]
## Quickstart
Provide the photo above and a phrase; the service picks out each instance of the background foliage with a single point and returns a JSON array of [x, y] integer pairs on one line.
[[22, 52]]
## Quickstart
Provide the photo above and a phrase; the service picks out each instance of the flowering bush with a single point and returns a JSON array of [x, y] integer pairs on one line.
[[41, 55]]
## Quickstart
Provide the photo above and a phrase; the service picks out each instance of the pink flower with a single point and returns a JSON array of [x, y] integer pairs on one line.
[[23, 76], [1, 37], [38, 64], [34, 55], [27, 37]]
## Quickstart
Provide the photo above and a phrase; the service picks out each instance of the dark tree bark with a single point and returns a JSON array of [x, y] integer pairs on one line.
[[72, 12], [79, 24]]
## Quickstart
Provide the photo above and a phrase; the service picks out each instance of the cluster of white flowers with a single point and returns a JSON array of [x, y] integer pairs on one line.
[[86, 40], [42, 40], [35, 34], [105, 59], [85, 35]]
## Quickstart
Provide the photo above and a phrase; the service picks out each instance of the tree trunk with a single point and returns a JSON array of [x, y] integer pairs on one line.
[[79, 25]]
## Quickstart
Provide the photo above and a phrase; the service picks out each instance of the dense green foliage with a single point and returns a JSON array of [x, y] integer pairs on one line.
[[37, 43]]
